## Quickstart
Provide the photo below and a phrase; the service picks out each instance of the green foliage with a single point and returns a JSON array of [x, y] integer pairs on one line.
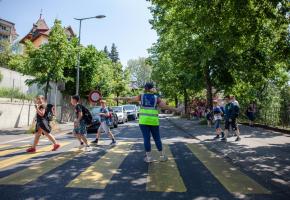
[[114, 54], [1, 76], [15, 93], [49, 61], [140, 71], [232, 46], [5, 53]]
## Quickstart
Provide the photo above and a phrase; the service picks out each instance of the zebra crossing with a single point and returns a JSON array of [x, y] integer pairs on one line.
[[161, 176]]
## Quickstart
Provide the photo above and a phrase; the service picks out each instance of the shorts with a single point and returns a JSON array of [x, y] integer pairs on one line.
[[233, 124], [217, 123], [104, 127], [81, 128], [44, 125]]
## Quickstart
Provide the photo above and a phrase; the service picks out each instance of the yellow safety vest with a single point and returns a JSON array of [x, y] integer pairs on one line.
[[149, 115]]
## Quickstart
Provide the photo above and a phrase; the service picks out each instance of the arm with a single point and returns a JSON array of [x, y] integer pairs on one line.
[[163, 105], [130, 99], [40, 111]]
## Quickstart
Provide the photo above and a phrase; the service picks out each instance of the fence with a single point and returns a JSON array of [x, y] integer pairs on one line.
[[274, 116]]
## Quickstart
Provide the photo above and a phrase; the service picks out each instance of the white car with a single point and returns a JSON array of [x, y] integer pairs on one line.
[[121, 113], [131, 110]]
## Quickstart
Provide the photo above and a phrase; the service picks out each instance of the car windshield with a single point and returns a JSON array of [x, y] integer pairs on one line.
[[129, 107], [117, 109]]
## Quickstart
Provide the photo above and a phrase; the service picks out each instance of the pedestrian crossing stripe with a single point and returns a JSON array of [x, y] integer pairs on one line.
[[2, 146], [98, 175], [164, 176], [230, 177], [12, 150], [33, 172], [25, 156]]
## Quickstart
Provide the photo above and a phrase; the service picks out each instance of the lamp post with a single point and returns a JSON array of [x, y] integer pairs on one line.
[[79, 43]]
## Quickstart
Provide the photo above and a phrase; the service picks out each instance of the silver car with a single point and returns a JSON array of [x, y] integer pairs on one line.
[[132, 111], [121, 113]]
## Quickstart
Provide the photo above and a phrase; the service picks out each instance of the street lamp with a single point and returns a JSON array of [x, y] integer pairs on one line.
[[78, 67]]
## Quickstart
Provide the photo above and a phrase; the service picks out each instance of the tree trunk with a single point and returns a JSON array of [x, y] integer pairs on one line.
[[46, 88], [117, 98], [176, 102], [185, 95], [208, 88]]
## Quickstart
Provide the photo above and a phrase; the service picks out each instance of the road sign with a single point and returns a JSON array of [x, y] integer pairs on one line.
[[95, 96]]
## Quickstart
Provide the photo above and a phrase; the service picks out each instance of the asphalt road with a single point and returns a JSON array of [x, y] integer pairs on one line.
[[194, 169]]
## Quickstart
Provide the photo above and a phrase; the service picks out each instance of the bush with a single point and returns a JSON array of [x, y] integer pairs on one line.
[[1, 77], [15, 93]]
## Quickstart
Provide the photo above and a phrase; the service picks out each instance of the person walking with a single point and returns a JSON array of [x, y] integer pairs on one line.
[[251, 110], [217, 111], [105, 124], [43, 116], [148, 119], [230, 116], [80, 124]]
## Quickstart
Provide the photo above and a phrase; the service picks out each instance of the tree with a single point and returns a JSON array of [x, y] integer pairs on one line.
[[106, 51], [219, 44], [5, 53], [114, 54], [1, 76], [140, 71], [48, 62]]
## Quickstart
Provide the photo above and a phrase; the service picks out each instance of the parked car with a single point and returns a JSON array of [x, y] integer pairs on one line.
[[95, 111], [121, 114], [114, 117], [131, 111]]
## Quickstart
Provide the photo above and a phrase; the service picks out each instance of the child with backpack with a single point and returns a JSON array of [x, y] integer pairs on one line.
[[105, 124], [44, 114], [83, 118]]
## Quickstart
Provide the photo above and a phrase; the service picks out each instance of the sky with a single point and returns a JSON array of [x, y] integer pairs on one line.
[[126, 23]]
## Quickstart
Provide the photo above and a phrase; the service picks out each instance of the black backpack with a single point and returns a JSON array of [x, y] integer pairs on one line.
[[87, 116], [48, 112]]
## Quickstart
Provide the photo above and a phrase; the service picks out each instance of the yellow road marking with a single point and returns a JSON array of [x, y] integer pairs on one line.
[[230, 177], [164, 176], [33, 172], [25, 156], [12, 150], [99, 174], [4, 145]]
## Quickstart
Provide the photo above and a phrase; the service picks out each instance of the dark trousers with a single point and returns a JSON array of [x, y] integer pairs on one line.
[[147, 130]]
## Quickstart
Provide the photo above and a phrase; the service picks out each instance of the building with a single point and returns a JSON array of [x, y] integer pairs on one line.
[[39, 33], [7, 31]]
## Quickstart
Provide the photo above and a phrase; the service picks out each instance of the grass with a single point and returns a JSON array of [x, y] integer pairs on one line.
[[15, 94]]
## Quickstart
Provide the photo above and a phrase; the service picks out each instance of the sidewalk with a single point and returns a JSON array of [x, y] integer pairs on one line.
[[263, 153], [11, 134]]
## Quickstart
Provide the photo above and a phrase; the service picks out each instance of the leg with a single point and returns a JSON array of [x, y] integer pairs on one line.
[[156, 136], [146, 136], [36, 138], [49, 136], [84, 139]]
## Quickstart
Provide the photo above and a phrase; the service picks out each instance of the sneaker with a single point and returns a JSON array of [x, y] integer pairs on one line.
[[31, 150], [216, 137], [238, 139], [95, 142], [224, 139], [113, 143], [82, 143], [55, 147], [163, 158], [148, 159], [88, 148], [223, 134]]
